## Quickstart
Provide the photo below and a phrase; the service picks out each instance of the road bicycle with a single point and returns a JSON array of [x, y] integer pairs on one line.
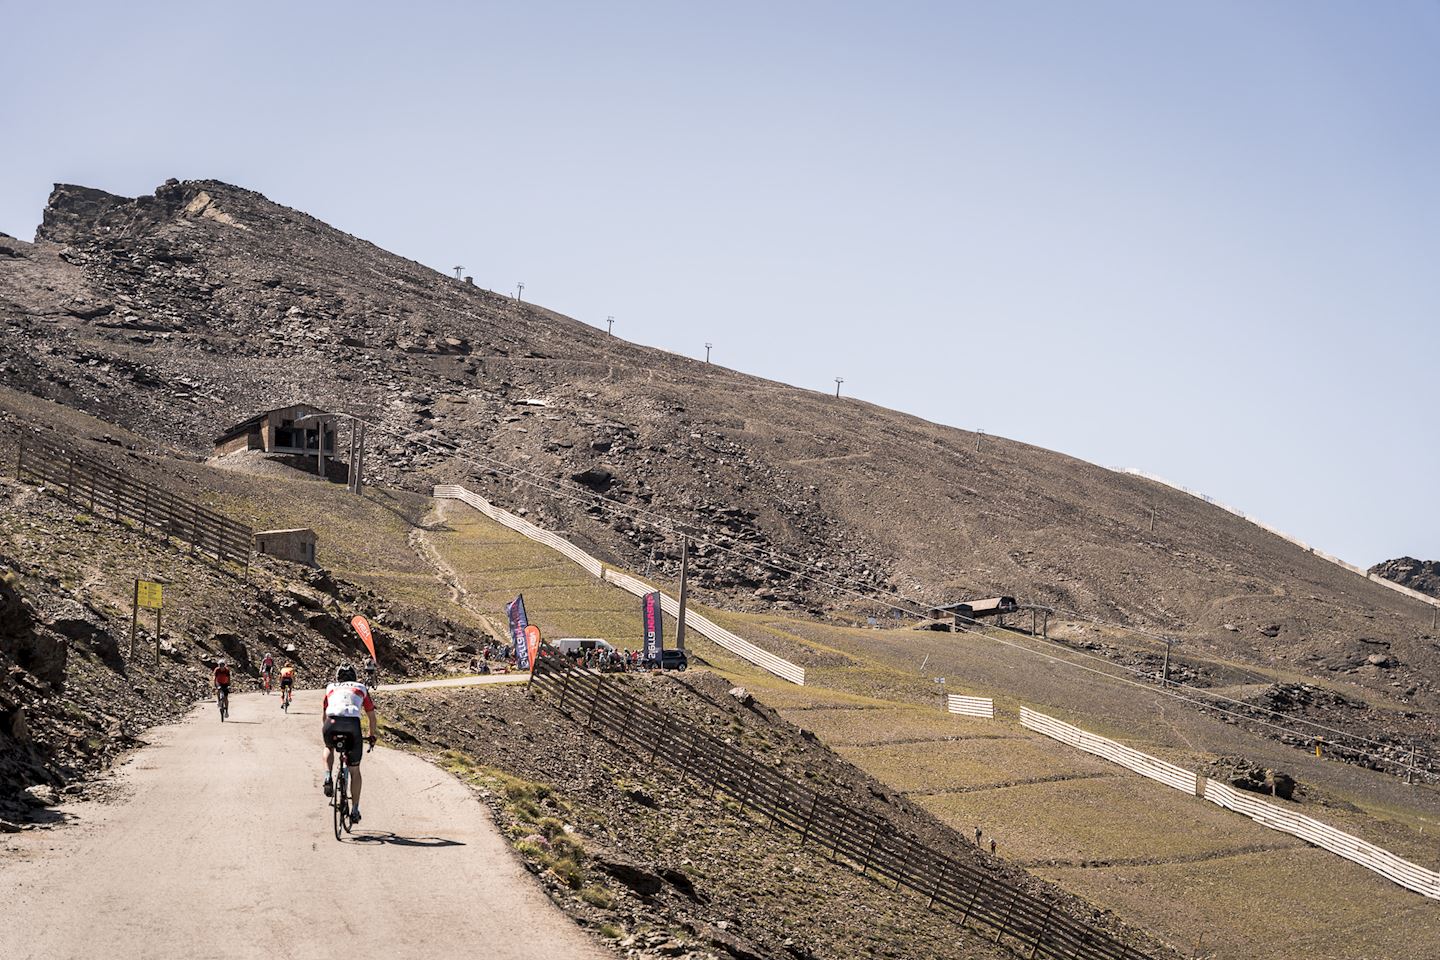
[[286, 692], [265, 679], [340, 794], [222, 696]]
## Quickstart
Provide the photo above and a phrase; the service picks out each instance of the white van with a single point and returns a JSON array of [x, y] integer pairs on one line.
[[571, 645]]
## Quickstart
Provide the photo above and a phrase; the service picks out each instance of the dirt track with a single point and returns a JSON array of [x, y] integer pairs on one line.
[[220, 845]]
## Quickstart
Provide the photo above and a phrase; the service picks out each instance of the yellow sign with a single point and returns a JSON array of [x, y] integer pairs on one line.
[[147, 595]]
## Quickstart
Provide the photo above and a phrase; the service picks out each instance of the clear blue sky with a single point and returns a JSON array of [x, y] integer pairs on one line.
[[1201, 240]]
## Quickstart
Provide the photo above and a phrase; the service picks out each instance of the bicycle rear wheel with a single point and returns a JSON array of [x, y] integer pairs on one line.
[[338, 803]]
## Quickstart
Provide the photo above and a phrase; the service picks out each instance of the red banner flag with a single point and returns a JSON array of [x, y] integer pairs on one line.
[[532, 643], [362, 627]]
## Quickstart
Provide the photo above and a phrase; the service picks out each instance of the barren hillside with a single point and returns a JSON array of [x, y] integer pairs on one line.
[[181, 313]]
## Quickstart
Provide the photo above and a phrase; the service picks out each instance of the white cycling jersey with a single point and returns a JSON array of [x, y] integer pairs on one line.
[[347, 700]]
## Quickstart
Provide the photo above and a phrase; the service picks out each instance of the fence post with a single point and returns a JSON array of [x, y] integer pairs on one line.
[[870, 848], [809, 818], [973, 897], [20, 462], [939, 882], [1008, 910], [749, 783], [595, 703], [665, 725], [565, 688], [1043, 928], [625, 727], [70, 482], [145, 511]]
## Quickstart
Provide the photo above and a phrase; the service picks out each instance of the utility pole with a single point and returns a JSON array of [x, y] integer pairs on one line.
[[838, 381], [684, 589], [707, 351], [458, 271], [519, 289], [609, 326]]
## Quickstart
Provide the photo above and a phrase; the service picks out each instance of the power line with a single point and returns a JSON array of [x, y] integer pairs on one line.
[[589, 498]]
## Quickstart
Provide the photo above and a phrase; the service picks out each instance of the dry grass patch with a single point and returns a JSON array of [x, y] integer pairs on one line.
[[1123, 817], [1277, 905], [957, 765]]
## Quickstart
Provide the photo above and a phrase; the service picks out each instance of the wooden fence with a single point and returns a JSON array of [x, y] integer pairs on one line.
[[982, 707], [1409, 875], [106, 491], [700, 624], [1141, 763], [1030, 925], [1395, 869]]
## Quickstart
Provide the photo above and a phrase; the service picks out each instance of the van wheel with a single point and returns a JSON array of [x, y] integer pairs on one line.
[[683, 666]]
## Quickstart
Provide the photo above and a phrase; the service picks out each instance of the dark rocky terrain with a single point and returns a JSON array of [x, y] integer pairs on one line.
[[178, 314], [663, 868], [1421, 575]]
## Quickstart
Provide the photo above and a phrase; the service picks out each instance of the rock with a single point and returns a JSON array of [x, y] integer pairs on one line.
[[598, 479], [1282, 785], [20, 726], [7, 827], [1273, 630], [634, 876], [1381, 660], [743, 695], [41, 795], [1232, 628]]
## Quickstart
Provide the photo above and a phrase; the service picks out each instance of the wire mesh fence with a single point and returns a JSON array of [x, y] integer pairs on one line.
[[106, 491], [1030, 925]]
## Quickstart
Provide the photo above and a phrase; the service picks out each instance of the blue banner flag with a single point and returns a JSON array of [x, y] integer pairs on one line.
[[654, 626], [515, 611]]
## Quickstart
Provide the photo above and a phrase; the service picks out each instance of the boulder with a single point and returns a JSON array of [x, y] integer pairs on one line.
[[41, 795]]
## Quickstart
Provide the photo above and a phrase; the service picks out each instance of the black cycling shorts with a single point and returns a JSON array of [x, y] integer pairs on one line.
[[287, 681], [224, 687], [334, 726]]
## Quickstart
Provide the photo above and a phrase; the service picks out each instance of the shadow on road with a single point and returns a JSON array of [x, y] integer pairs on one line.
[[394, 839], [242, 721]]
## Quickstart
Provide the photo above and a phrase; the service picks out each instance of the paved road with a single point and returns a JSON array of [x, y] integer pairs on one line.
[[220, 846]]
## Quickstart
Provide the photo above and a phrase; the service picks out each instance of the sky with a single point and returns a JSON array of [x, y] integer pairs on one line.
[[1201, 240]]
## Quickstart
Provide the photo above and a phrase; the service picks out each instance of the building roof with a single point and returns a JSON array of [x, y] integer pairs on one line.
[[246, 425], [989, 605], [276, 533]]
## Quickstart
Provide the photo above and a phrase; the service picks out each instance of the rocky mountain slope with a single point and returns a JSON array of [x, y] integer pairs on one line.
[[1421, 575], [181, 313]]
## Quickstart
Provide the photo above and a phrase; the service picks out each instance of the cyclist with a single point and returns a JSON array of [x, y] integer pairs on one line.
[[344, 701], [372, 670], [267, 671], [287, 681], [220, 680]]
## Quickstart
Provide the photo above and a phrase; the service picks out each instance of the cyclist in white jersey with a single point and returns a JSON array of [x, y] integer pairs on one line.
[[345, 700]]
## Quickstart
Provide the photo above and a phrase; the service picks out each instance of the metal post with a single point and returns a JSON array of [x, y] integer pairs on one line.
[[838, 381], [809, 818], [609, 326], [1008, 910], [565, 688], [157, 637], [1041, 935], [360, 468], [684, 589], [655, 749], [707, 351], [939, 882], [595, 703], [973, 897], [350, 474], [134, 615]]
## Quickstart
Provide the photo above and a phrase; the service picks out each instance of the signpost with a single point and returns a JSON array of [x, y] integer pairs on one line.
[[149, 594]]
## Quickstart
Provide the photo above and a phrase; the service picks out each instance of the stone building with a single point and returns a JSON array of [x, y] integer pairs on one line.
[[296, 545]]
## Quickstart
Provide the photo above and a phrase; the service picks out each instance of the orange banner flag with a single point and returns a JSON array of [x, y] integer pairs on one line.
[[362, 627]]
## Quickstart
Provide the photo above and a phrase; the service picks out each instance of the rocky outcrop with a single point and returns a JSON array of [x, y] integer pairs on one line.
[[1421, 575]]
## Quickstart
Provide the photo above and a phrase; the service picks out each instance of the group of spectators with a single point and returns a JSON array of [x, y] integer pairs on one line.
[[500, 658]]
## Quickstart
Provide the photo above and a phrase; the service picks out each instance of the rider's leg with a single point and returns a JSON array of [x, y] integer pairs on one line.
[[355, 781]]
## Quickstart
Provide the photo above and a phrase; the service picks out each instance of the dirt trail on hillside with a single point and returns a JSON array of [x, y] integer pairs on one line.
[[220, 845]]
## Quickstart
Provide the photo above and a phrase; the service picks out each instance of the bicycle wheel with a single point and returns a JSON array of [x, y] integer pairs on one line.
[[340, 804]]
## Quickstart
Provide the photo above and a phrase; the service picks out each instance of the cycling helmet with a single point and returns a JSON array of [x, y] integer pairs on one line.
[[220, 662], [345, 673]]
